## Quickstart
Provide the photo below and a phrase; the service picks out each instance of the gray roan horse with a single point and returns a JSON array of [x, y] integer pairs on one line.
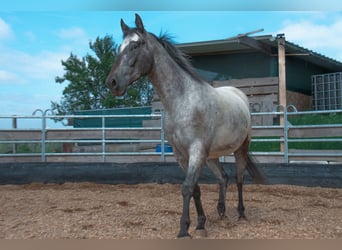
[[202, 123]]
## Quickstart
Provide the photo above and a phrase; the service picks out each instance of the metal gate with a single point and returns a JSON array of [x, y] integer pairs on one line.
[[304, 136]]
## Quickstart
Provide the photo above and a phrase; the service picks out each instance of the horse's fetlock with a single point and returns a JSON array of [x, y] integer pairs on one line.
[[221, 209]]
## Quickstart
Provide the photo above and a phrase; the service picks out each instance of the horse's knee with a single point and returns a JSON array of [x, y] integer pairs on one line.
[[239, 178], [225, 179], [187, 189]]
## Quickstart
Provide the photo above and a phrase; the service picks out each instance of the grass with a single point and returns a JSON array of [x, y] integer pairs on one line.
[[297, 120], [316, 119]]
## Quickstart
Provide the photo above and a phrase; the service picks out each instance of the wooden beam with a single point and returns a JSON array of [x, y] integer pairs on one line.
[[282, 80], [248, 82], [255, 44], [282, 71]]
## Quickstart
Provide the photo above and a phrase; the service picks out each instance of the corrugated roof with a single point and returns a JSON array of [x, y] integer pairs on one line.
[[234, 45]]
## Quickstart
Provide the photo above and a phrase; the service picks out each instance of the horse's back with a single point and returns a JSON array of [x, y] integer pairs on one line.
[[229, 92], [233, 102]]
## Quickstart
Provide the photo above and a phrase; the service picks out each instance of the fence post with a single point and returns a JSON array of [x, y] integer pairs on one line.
[[162, 136], [103, 140], [287, 126], [43, 144], [14, 126], [282, 122], [286, 144]]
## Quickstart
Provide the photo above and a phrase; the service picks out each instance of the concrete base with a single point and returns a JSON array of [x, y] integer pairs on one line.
[[323, 175]]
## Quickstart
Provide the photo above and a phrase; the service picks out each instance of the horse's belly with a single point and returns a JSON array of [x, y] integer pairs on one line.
[[217, 154], [227, 142]]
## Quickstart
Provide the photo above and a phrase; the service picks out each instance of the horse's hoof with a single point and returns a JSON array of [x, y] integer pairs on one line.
[[184, 236], [243, 218], [222, 216], [201, 233]]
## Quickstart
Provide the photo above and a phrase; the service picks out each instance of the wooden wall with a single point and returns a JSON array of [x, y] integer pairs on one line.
[[262, 94]]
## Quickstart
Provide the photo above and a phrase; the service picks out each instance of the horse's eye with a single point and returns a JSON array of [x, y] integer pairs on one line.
[[133, 45]]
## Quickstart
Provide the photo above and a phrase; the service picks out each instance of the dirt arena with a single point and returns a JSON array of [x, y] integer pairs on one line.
[[152, 211]]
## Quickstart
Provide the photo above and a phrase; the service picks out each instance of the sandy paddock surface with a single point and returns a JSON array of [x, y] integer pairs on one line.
[[152, 211]]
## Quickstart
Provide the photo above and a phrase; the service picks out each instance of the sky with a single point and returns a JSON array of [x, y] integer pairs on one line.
[[35, 36]]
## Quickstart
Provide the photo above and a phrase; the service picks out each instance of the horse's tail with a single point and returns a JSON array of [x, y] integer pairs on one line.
[[254, 171]]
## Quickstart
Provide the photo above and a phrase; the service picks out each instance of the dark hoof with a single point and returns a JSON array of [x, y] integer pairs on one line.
[[202, 233], [242, 217], [222, 216], [184, 236], [221, 210]]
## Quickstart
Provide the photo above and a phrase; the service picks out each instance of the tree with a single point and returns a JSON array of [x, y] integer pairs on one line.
[[86, 77]]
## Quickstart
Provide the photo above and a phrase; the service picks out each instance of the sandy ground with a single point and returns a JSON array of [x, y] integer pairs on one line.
[[152, 211]]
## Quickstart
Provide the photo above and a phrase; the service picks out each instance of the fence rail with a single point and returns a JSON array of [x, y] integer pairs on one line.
[[304, 136]]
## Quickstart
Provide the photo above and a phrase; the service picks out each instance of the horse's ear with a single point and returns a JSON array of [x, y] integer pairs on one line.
[[139, 23], [124, 27]]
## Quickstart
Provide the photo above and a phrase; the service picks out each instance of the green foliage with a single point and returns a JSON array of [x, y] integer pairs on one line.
[[85, 78], [298, 120], [315, 119]]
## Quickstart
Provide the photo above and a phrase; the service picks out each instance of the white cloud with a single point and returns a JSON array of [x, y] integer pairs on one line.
[[5, 30], [6, 76], [321, 35], [28, 67], [45, 65], [75, 40], [25, 101], [72, 33], [27, 77], [28, 80]]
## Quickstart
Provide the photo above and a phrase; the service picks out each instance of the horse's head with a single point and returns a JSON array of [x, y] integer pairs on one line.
[[134, 58]]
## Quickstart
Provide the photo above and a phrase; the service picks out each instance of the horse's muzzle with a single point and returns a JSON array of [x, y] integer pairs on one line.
[[114, 87]]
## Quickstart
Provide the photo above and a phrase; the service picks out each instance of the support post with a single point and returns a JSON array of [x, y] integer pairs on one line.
[[44, 130], [103, 123], [162, 136], [14, 126], [282, 78]]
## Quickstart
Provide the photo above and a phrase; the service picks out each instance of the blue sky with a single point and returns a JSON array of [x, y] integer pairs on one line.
[[34, 38]]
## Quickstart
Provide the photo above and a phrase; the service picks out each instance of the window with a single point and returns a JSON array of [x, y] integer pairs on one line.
[[327, 91]]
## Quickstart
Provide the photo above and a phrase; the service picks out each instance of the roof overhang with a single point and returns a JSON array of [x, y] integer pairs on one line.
[[267, 44]]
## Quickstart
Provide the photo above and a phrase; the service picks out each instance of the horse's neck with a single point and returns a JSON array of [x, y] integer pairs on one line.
[[169, 80]]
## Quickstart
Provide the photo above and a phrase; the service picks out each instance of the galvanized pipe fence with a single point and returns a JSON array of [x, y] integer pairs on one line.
[[270, 142]]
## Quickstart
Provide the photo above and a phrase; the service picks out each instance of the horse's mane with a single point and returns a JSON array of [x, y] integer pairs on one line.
[[177, 55]]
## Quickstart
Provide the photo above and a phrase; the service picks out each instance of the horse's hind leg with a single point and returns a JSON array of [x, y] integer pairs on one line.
[[241, 156], [222, 178]]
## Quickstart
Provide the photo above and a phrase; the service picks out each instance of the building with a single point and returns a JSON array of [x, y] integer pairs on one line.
[[271, 70]]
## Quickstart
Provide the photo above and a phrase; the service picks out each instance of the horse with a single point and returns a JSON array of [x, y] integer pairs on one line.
[[202, 123]]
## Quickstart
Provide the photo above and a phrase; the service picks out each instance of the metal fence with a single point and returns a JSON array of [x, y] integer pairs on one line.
[[292, 136]]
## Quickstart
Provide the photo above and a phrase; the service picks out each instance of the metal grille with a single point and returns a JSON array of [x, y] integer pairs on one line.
[[327, 91]]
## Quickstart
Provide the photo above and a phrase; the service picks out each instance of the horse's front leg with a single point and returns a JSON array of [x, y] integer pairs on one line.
[[201, 218], [190, 189], [187, 191]]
